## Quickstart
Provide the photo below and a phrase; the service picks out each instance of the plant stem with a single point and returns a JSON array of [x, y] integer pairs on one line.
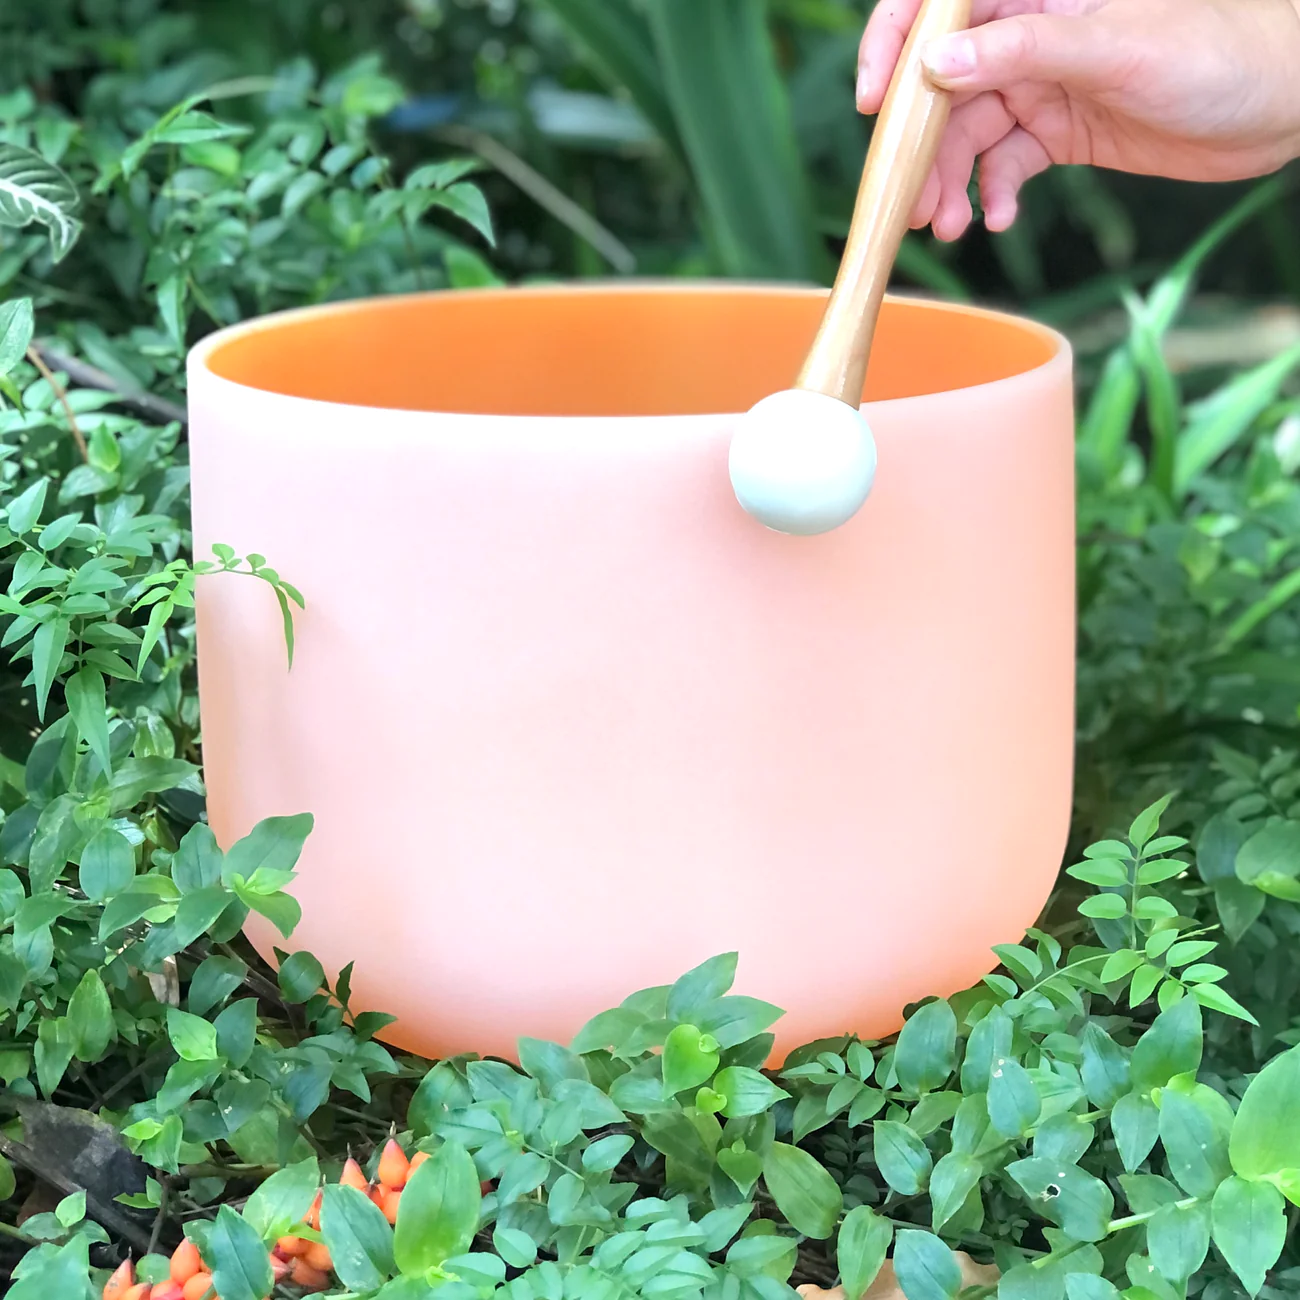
[[1133, 1220], [48, 375]]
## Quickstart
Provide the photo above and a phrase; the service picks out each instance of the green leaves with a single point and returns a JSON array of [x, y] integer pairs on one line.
[[1013, 1101], [1194, 1128], [358, 1236], [747, 1092], [1270, 860], [107, 865], [90, 1018], [719, 74], [1172, 1046], [803, 1190], [953, 1180], [17, 325], [33, 190], [282, 1201], [1266, 1132], [1079, 1203], [1178, 1239], [925, 1267], [925, 1056], [439, 1211], [903, 1159], [88, 705], [194, 1038], [1250, 1228], [861, 1248], [689, 1059], [241, 1266]]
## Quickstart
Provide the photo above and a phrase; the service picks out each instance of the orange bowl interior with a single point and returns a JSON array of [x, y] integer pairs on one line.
[[606, 352]]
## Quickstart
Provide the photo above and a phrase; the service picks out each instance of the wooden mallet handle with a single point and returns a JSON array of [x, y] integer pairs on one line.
[[903, 149]]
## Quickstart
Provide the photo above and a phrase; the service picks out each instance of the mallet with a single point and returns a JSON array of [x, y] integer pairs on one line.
[[803, 461]]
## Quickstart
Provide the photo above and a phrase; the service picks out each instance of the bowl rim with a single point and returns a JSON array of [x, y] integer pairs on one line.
[[200, 354]]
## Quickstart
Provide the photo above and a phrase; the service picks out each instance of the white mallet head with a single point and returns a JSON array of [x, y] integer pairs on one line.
[[802, 462]]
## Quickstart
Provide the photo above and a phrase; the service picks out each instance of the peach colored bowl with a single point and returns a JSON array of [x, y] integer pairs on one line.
[[569, 720]]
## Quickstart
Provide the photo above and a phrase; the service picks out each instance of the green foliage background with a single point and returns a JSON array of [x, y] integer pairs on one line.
[[1115, 1111]]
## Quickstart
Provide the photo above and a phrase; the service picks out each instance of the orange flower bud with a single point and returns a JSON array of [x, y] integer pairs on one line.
[[185, 1262], [121, 1282], [394, 1167], [310, 1279], [352, 1176]]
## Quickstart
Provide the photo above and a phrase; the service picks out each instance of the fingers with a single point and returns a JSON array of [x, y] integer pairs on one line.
[[973, 128], [928, 203], [882, 43], [1025, 48], [1004, 169]]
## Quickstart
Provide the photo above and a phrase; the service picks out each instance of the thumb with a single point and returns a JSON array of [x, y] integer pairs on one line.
[[1029, 47]]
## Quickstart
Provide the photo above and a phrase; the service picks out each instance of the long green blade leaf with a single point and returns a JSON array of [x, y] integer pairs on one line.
[[616, 41], [733, 112]]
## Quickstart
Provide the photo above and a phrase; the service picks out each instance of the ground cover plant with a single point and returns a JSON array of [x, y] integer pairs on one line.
[[1116, 1110]]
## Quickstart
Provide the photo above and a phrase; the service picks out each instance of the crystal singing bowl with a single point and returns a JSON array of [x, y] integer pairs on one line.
[[569, 720]]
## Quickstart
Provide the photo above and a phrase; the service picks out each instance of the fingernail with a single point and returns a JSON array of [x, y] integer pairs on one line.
[[864, 83], [949, 58]]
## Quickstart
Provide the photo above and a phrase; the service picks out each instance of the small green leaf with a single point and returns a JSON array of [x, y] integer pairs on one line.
[[804, 1192], [25, 509], [301, 976], [1105, 873], [1266, 1132], [1178, 1240], [1088, 1286], [17, 325], [241, 1265], [1275, 850], [194, 1038], [107, 865], [697, 988], [903, 1159], [925, 1267], [605, 1153], [71, 1210], [1104, 907], [1250, 1228], [926, 1053], [90, 1018], [1079, 1203], [54, 1048], [1105, 1067], [1172, 1046], [282, 1201], [358, 1236], [1013, 1102], [48, 645], [1147, 822], [517, 1248], [1135, 1122], [747, 1092], [1194, 1131], [689, 1059], [439, 1211], [860, 1251], [953, 1180]]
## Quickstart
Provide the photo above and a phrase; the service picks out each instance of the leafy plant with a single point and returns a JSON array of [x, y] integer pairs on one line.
[[1112, 1112]]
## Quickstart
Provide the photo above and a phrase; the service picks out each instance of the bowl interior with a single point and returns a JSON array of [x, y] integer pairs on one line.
[[625, 351]]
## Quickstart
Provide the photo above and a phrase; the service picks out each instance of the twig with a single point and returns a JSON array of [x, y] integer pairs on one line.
[[161, 1217], [96, 1209], [84, 375], [48, 375]]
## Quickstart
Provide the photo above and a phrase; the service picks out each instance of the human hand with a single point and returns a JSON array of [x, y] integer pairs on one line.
[[1200, 90]]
